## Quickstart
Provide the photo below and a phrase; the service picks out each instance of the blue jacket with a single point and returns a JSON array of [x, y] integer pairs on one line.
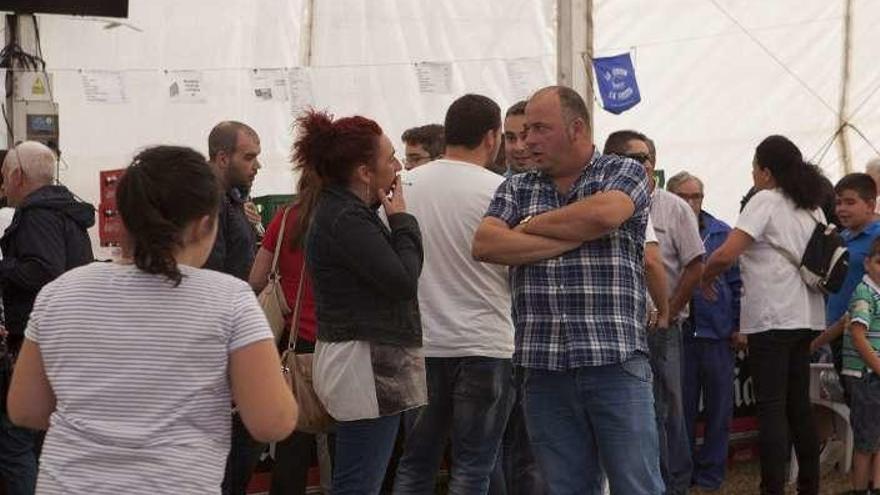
[[717, 319]]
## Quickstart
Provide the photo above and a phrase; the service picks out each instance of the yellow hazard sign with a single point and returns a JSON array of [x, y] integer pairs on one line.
[[38, 88]]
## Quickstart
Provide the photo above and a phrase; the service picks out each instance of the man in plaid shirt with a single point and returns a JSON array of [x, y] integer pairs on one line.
[[573, 233]]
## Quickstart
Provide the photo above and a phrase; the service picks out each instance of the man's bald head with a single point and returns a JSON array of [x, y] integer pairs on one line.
[[26, 168]]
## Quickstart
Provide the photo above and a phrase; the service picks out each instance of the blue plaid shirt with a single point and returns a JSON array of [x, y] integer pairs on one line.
[[586, 307]]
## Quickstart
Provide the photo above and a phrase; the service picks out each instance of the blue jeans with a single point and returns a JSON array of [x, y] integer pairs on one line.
[[708, 365], [469, 398], [584, 419], [18, 457], [516, 471], [363, 449], [675, 453]]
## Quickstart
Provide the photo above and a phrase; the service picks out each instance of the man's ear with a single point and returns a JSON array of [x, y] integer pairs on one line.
[[222, 160]]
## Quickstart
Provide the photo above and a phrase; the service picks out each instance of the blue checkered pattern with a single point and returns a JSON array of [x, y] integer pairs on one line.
[[586, 307]]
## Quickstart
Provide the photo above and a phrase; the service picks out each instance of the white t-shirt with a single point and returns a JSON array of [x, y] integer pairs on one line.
[[465, 304], [775, 296], [139, 369], [650, 233]]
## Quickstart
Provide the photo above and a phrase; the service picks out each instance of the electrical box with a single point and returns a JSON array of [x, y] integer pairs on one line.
[[34, 114]]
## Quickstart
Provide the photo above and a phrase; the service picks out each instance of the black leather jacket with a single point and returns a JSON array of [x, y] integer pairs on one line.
[[365, 278]]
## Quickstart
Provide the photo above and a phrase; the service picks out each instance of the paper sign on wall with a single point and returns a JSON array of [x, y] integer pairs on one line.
[[186, 86], [434, 77], [526, 76], [300, 89], [104, 87], [269, 84]]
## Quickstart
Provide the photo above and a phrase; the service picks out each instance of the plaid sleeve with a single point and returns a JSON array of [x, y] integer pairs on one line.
[[629, 177], [860, 306], [503, 205]]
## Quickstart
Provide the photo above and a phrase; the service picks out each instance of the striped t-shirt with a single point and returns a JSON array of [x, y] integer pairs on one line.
[[864, 308], [139, 369]]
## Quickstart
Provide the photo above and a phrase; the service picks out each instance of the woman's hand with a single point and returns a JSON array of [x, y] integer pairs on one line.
[[396, 203]]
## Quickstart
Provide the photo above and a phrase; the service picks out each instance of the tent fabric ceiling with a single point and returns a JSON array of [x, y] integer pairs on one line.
[[716, 75]]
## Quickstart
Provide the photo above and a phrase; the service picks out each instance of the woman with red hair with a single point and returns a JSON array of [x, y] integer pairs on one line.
[[368, 365]]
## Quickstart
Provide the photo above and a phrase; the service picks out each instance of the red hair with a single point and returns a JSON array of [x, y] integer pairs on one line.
[[332, 149]]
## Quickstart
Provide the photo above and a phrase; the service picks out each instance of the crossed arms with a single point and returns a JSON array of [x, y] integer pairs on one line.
[[553, 233]]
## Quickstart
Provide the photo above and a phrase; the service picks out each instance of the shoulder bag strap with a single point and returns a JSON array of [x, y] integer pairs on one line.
[[294, 319], [273, 273], [787, 254]]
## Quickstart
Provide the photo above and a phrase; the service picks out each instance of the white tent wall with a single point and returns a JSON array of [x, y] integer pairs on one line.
[[362, 61], [710, 93]]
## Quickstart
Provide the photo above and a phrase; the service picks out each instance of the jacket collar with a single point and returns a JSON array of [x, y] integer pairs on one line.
[[710, 223]]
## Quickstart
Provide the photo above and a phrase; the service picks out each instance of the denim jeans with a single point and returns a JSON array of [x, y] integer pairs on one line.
[[18, 457], [708, 365], [516, 470], [779, 361], [363, 448], [586, 419], [244, 455], [675, 453], [469, 399]]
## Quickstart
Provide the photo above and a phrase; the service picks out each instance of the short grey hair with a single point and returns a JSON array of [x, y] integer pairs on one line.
[[873, 167], [680, 178], [35, 159]]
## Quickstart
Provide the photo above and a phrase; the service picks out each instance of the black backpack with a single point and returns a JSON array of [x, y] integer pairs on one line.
[[825, 261]]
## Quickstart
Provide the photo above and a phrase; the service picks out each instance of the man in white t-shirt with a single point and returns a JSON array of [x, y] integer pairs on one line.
[[465, 307]]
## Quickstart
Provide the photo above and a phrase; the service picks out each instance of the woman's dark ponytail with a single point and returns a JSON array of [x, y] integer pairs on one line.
[[163, 190], [801, 181]]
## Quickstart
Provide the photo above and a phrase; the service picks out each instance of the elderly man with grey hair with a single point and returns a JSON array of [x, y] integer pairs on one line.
[[708, 347], [46, 238]]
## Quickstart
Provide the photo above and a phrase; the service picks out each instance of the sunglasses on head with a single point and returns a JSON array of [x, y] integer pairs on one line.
[[639, 157]]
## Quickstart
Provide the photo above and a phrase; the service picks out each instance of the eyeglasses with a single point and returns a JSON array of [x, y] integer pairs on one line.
[[639, 157], [690, 197], [416, 159]]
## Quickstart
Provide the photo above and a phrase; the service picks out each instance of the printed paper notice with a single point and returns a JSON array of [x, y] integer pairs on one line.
[[300, 89], [269, 85], [104, 87], [186, 86], [526, 76], [434, 77]]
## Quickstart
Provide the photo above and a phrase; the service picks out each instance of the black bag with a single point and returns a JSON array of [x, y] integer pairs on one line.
[[825, 261]]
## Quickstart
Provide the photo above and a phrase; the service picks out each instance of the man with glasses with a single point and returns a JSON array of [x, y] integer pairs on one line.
[[682, 250], [709, 346], [46, 238], [423, 144]]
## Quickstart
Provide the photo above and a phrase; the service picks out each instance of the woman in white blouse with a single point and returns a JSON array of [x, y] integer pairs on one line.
[[779, 311]]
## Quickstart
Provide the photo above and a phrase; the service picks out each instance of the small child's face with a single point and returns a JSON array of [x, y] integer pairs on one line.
[[853, 211], [872, 267]]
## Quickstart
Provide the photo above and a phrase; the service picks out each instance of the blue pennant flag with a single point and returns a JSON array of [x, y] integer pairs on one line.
[[617, 83]]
